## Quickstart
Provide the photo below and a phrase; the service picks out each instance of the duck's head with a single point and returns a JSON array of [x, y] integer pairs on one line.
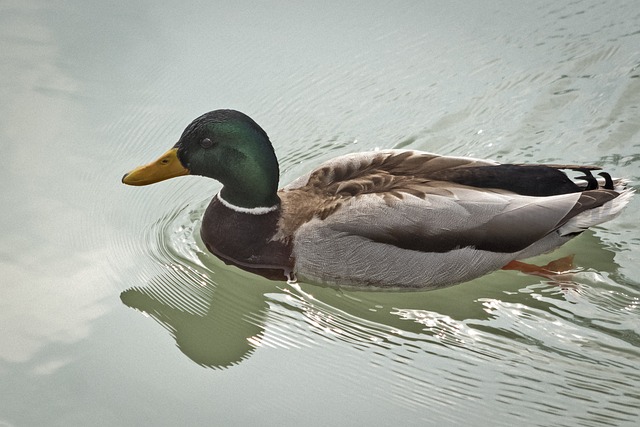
[[225, 145]]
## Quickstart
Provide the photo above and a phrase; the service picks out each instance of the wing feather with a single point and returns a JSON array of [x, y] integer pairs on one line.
[[491, 222], [429, 203]]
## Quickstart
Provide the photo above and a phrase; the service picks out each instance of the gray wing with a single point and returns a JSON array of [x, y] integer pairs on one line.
[[485, 220], [424, 243], [425, 202], [415, 219]]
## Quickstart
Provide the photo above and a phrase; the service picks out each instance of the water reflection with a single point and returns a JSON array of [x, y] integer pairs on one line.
[[218, 335], [89, 87], [432, 349], [221, 324], [219, 315]]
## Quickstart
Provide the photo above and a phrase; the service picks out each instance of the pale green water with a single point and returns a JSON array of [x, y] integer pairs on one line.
[[111, 314]]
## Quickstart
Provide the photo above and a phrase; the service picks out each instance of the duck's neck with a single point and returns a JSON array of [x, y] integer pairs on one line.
[[254, 184]]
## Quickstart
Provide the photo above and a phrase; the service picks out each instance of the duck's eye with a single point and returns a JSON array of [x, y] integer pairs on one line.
[[206, 143]]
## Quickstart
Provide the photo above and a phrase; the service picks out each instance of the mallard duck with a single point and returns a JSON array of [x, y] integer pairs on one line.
[[381, 219]]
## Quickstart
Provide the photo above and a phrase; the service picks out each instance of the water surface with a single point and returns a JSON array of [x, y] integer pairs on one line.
[[113, 314]]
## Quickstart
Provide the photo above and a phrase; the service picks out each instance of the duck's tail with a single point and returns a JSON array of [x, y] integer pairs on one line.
[[600, 214]]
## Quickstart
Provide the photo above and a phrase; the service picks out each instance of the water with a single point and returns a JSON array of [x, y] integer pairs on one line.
[[113, 314]]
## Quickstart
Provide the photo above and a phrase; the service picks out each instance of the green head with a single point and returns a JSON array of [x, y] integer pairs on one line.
[[225, 145]]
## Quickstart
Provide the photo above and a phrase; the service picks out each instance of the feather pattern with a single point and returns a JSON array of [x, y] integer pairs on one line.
[[413, 219], [394, 218]]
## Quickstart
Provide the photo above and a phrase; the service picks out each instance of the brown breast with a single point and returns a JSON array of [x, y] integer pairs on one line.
[[247, 241]]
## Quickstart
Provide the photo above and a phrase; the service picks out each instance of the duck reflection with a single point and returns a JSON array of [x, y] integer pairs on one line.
[[212, 332], [219, 315]]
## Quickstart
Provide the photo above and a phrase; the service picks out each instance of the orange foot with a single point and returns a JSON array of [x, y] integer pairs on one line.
[[560, 270]]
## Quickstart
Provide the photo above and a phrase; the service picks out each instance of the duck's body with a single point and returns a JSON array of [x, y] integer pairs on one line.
[[389, 219]]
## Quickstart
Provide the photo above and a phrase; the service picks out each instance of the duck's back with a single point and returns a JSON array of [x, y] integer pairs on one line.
[[413, 220]]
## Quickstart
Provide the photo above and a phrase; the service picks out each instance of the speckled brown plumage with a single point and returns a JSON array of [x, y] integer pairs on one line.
[[331, 195]]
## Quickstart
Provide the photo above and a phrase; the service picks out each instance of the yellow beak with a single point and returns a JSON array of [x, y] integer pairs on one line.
[[166, 166]]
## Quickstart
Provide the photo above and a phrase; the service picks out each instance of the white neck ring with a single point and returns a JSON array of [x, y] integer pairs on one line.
[[252, 211]]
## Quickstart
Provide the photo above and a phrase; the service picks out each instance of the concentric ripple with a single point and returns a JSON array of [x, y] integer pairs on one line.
[[571, 349]]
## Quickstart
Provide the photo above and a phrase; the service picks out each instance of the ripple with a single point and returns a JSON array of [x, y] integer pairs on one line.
[[527, 349], [504, 350]]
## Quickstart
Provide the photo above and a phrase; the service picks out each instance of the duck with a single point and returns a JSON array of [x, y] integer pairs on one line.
[[385, 219]]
